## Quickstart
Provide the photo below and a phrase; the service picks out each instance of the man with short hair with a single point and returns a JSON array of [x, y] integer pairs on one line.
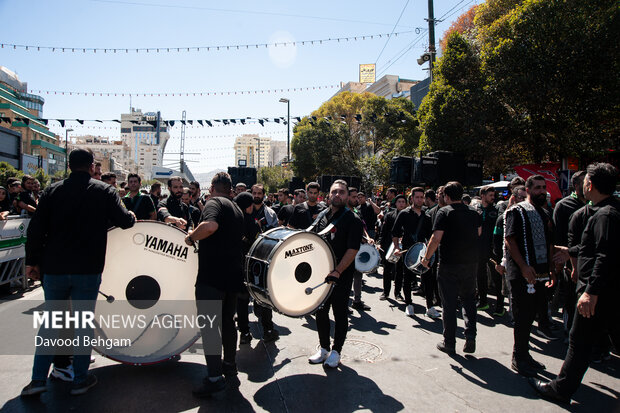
[[109, 178], [598, 285], [240, 187], [368, 212], [430, 199], [286, 211], [282, 200], [489, 215], [96, 173], [514, 182], [305, 213], [219, 279], [155, 193], [194, 190], [186, 198], [172, 210], [527, 233], [141, 205], [390, 270], [412, 226], [25, 199], [68, 247], [345, 241], [456, 231], [352, 204]]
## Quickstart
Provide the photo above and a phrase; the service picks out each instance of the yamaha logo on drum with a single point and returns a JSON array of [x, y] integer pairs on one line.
[[161, 246], [299, 250]]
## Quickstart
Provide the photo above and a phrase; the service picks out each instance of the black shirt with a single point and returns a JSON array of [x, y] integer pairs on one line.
[[174, 207], [561, 217], [459, 243], [406, 226], [514, 227], [346, 234], [489, 219], [27, 198], [304, 215], [385, 237], [599, 259], [220, 256], [368, 215], [141, 205], [285, 213], [69, 230], [155, 200], [576, 226], [498, 239]]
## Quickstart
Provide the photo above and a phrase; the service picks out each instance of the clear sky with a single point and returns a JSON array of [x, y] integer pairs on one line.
[[131, 24]]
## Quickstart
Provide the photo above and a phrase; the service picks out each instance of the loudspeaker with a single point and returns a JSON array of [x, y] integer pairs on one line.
[[241, 174], [473, 173], [296, 183], [425, 171], [401, 170], [450, 166]]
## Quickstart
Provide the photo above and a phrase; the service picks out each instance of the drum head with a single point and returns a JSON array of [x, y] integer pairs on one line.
[[150, 272], [367, 258], [302, 260], [412, 257]]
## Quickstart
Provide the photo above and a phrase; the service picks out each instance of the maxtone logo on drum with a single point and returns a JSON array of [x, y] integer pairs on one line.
[[299, 250], [161, 246]]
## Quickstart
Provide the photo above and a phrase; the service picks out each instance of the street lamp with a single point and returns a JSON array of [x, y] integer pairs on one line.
[[288, 128], [67, 149]]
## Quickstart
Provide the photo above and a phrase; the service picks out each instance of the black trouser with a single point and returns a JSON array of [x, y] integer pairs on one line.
[[483, 284], [431, 291], [525, 306], [391, 272], [264, 314], [584, 334], [408, 279], [457, 280], [568, 292], [226, 326], [338, 301]]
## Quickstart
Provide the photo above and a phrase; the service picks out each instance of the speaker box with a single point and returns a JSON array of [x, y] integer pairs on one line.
[[473, 173], [425, 171], [450, 166], [242, 174], [401, 170], [296, 183]]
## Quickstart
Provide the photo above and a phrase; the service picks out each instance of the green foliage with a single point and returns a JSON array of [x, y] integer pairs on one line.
[[274, 177], [42, 177], [8, 171]]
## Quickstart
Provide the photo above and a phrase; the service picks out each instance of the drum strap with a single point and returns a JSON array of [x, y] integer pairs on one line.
[[318, 219], [417, 231], [332, 224]]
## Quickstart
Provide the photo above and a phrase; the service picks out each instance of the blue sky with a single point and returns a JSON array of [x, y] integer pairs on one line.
[[190, 23]]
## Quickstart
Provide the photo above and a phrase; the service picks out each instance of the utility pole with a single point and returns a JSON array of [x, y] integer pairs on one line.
[[431, 38], [182, 161]]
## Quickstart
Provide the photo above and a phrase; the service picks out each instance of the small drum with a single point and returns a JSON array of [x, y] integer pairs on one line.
[[413, 258], [149, 274], [282, 263], [367, 258], [389, 255]]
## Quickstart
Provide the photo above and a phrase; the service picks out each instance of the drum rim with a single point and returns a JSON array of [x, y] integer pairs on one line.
[[270, 257], [152, 222], [375, 255]]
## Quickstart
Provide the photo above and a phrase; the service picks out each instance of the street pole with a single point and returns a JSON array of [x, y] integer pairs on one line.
[[288, 128], [431, 38], [67, 149]]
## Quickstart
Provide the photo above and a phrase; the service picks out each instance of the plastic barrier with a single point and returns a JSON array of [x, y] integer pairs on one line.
[[12, 249]]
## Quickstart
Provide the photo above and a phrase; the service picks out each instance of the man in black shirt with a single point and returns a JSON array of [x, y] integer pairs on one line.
[[282, 200], [385, 240], [140, 204], [345, 238], [194, 190], [220, 277], [369, 211], [456, 231], [25, 199], [527, 233], [109, 178], [489, 215], [352, 204], [598, 285], [305, 213], [286, 212], [562, 214], [172, 210], [66, 243], [413, 226], [430, 199], [155, 193], [194, 212]]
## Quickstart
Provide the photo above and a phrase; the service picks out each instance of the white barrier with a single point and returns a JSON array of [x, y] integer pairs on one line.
[[12, 249]]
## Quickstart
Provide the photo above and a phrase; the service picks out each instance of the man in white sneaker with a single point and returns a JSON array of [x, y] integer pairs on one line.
[[345, 238]]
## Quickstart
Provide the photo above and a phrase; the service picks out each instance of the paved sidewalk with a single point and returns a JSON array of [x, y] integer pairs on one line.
[[389, 364]]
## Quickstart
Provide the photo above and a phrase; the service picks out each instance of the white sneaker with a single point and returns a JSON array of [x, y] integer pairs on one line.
[[333, 359], [409, 310], [319, 357], [65, 374], [433, 313]]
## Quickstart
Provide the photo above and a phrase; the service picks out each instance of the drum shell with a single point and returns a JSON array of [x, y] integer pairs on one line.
[[373, 261], [261, 270], [412, 259]]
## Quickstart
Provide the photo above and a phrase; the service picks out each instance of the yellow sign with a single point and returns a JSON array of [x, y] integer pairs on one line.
[[367, 73]]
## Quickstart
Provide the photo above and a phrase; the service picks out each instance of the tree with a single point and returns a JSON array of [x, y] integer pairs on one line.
[[8, 171], [464, 24], [274, 177], [42, 177]]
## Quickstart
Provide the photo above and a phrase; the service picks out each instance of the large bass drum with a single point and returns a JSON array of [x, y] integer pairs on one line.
[[148, 279], [282, 263]]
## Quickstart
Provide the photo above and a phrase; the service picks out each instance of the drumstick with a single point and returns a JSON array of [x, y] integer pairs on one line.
[[108, 298], [309, 290]]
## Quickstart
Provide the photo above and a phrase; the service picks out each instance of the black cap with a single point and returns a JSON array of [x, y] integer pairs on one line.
[[244, 200]]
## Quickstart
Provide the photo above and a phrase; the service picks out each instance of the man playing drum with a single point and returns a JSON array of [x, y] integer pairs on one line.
[[345, 238]]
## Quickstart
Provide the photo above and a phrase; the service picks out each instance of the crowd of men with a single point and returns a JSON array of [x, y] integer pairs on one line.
[[524, 249]]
